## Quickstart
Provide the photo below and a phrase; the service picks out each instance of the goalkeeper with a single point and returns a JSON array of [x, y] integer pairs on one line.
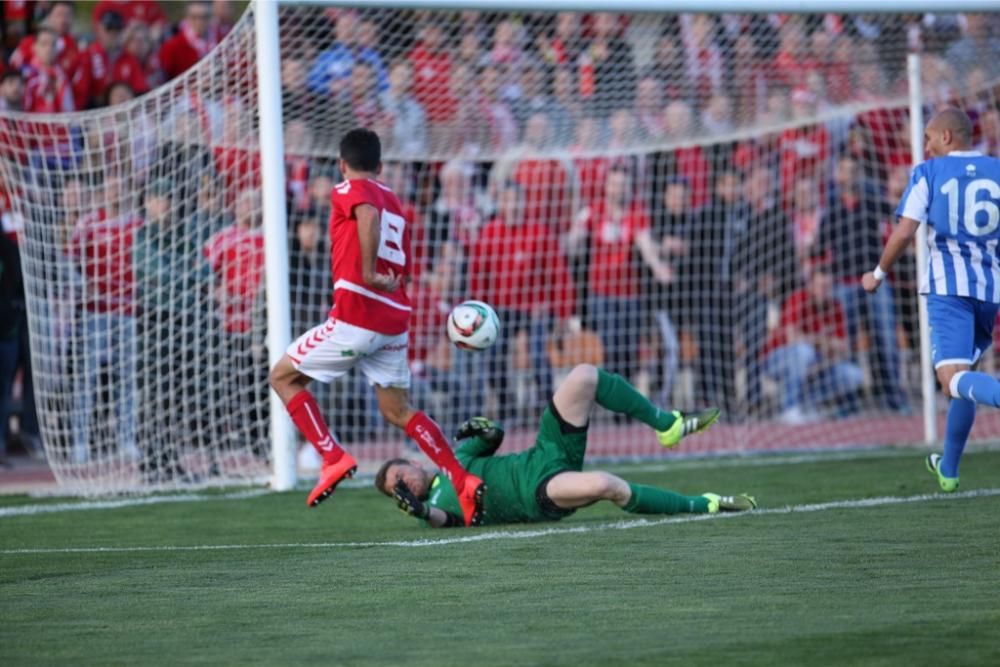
[[546, 482]]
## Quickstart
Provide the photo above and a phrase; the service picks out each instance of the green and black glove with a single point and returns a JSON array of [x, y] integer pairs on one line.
[[409, 503], [490, 432]]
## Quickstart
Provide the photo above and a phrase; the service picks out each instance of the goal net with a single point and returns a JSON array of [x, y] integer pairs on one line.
[[687, 200]]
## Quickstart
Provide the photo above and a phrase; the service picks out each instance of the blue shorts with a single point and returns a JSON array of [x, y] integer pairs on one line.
[[961, 328]]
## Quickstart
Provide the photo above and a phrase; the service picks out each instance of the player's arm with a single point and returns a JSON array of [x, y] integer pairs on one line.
[[481, 437], [409, 504], [369, 237], [899, 241]]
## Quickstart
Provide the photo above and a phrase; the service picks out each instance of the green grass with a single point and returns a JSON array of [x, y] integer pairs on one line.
[[900, 584]]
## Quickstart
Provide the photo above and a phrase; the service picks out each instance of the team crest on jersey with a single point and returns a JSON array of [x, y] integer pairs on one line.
[[970, 170]]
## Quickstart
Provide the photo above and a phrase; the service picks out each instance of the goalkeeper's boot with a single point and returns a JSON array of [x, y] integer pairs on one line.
[[738, 503], [470, 498], [947, 484], [686, 425], [330, 476]]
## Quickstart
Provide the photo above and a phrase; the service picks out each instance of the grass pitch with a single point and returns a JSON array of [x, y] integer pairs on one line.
[[262, 580]]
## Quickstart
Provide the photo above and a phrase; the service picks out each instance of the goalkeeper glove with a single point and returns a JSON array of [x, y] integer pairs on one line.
[[490, 432], [409, 503]]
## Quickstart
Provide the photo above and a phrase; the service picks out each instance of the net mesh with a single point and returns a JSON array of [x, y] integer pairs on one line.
[[663, 195]]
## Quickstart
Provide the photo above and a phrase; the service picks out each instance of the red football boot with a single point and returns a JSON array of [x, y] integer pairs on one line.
[[470, 497], [330, 476]]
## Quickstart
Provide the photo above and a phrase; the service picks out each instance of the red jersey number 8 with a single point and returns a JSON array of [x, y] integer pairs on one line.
[[390, 248]]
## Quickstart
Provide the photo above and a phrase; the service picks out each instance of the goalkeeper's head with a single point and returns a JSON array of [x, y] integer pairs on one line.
[[360, 154], [417, 479]]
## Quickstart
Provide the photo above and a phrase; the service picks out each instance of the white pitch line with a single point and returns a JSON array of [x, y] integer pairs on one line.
[[30, 510], [497, 535]]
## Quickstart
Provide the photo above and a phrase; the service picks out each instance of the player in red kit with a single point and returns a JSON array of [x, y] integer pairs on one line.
[[367, 326]]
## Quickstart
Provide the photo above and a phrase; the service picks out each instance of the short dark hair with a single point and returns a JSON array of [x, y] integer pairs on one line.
[[383, 471], [361, 149], [11, 74]]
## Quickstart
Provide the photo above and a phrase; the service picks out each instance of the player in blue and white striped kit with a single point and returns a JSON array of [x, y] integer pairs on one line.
[[957, 192]]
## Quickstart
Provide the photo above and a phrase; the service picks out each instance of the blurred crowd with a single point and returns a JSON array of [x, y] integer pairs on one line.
[[584, 173], [128, 48]]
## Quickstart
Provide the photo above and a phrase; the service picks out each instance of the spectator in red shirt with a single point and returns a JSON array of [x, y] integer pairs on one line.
[[805, 151], [139, 44], [562, 46], [808, 354], [518, 267], [46, 88], [60, 19], [545, 182], [236, 257], [432, 75], [591, 170], [104, 62], [192, 42], [618, 230], [792, 62], [100, 248]]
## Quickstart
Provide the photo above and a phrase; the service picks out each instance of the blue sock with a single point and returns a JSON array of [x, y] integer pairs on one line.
[[976, 386], [961, 414]]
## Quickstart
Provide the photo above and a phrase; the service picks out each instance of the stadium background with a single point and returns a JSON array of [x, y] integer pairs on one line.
[[759, 150]]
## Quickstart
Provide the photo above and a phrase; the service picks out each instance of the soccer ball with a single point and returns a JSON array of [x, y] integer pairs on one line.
[[473, 326]]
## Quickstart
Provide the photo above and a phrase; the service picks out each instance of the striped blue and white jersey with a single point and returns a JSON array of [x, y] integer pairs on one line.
[[959, 195]]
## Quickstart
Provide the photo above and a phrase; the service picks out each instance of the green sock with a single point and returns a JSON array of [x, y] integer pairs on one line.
[[651, 500], [616, 394]]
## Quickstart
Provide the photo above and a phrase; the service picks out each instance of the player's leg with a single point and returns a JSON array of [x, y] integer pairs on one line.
[[571, 490], [317, 354], [956, 378], [954, 344], [389, 372], [586, 385]]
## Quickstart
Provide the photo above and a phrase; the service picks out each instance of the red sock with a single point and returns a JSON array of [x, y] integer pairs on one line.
[[305, 413], [432, 442]]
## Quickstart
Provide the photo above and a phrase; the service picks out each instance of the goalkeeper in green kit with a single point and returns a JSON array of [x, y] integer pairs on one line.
[[547, 482]]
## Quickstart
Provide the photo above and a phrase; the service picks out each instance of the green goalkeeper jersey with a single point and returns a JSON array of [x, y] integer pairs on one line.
[[512, 479]]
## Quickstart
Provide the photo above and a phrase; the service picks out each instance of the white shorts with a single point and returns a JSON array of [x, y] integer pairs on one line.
[[331, 349]]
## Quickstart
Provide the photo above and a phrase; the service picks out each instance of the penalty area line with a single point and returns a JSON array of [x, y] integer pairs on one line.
[[498, 535]]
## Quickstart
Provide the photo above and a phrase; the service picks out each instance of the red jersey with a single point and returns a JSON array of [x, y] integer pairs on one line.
[[545, 184], [432, 83], [182, 51], [355, 302], [236, 255], [518, 267], [613, 270], [809, 316], [95, 72], [591, 173], [67, 53], [804, 152], [47, 90], [103, 248]]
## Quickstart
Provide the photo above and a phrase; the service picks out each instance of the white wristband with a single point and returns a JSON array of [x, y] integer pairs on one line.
[[878, 273]]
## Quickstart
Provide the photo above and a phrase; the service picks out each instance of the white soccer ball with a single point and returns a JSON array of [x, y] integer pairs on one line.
[[473, 326]]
